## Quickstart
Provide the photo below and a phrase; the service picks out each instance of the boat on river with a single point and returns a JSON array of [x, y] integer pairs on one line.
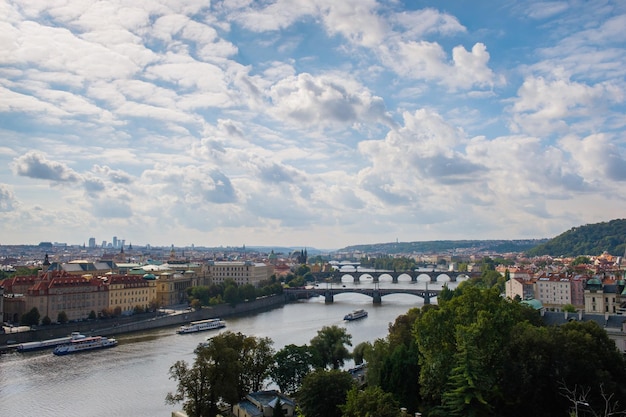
[[355, 315], [85, 344], [49, 343], [202, 325]]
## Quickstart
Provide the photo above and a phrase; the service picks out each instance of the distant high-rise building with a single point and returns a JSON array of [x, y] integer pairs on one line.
[[115, 241], [104, 243], [92, 242]]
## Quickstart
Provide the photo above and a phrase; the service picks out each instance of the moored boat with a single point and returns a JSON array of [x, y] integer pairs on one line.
[[202, 325], [85, 344], [49, 343], [355, 315]]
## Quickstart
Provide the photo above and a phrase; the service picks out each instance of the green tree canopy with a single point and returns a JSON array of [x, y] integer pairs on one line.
[[31, 318], [291, 364], [323, 391], [372, 401], [225, 369], [329, 346]]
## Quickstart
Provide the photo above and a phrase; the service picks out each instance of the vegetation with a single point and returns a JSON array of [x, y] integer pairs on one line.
[[291, 364], [31, 318], [372, 401], [329, 346], [591, 239], [231, 293], [439, 246], [323, 392], [474, 353], [225, 370]]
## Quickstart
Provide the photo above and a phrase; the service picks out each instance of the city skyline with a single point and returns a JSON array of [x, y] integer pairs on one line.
[[317, 124]]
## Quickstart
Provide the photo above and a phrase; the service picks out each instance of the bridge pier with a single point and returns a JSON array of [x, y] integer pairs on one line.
[[376, 297], [328, 297]]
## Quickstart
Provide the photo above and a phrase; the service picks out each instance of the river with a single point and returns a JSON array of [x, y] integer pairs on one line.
[[132, 379]]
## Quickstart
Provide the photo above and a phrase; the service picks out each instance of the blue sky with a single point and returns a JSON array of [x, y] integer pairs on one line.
[[309, 123]]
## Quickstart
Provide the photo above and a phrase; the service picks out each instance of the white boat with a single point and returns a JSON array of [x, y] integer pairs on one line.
[[85, 344], [50, 343], [355, 315], [202, 325]]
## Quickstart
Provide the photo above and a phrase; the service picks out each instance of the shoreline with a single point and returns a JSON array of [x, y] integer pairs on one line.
[[138, 323]]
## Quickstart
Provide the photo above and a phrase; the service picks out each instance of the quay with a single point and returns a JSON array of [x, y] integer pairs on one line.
[[137, 323]]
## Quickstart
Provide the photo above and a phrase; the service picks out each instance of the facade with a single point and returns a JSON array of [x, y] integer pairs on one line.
[[77, 296], [130, 291], [171, 288], [601, 298], [241, 272], [518, 287], [554, 291]]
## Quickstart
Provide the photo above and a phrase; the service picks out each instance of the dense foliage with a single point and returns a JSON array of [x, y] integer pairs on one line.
[[225, 369], [231, 293], [591, 239], [323, 392], [474, 353]]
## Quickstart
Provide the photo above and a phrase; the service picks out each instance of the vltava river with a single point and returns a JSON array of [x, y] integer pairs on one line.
[[132, 379]]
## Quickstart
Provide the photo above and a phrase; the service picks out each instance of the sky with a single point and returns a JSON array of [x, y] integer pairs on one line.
[[309, 123]]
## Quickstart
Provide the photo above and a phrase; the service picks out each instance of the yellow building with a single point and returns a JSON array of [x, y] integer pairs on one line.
[[130, 291]]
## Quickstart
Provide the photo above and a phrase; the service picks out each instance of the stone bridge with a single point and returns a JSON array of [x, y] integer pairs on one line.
[[376, 293], [435, 276]]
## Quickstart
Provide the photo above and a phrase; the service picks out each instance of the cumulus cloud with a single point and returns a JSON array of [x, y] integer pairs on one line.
[[35, 165], [325, 101], [546, 106]]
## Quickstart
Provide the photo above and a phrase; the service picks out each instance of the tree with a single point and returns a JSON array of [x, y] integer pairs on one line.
[[372, 401], [92, 315], [31, 318], [323, 391], [225, 369], [329, 346], [62, 317], [231, 295], [247, 292], [291, 364], [46, 321], [257, 358], [448, 362]]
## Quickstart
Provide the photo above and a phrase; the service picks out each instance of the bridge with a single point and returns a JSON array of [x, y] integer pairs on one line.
[[434, 276], [376, 293]]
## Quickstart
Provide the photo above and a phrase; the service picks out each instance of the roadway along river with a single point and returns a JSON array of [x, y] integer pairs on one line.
[[132, 378]]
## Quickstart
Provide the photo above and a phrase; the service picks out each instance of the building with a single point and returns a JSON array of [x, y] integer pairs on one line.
[[601, 298], [127, 292], [554, 291], [262, 404], [241, 272], [518, 287], [76, 296]]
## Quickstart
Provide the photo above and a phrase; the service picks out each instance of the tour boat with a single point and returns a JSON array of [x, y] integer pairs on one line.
[[49, 343], [355, 315], [202, 325], [85, 344]]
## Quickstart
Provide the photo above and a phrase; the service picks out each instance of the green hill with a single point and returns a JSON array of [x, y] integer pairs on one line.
[[590, 239], [449, 246]]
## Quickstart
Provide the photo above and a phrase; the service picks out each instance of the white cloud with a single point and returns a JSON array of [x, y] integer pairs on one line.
[[35, 165]]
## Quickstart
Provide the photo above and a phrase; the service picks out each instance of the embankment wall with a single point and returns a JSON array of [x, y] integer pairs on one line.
[[141, 322]]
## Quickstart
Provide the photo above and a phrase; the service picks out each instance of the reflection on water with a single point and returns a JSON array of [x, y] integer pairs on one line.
[[132, 378]]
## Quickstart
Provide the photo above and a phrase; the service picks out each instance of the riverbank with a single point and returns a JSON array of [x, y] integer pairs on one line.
[[139, 322]]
